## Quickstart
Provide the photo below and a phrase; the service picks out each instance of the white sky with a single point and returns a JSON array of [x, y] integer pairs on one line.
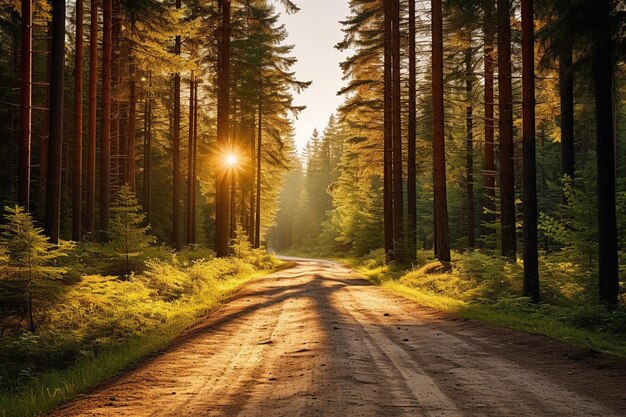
[[315, 30]]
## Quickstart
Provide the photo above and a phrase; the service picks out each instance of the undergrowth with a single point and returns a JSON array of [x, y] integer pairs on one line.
[[101, 324], [486, 287]]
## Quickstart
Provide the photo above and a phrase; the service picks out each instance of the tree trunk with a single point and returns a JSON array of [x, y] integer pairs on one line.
[[45, 133], [131, 167], [490, 166], [531, 262], [147, 153], [469, 87], [252, 184], [90, 224], [26, 103], [105, 144], [176, 235], [566, 83], [77, 177], [608, 272], [505, 103], [442, 244], [388, 134], [190, 162], [223, 116], [398, 189], [194, 174], [55, 145], [257, 220], [412, 135]]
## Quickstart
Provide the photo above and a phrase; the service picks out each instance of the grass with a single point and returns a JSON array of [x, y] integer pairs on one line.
[[53, 388], [487, 288]]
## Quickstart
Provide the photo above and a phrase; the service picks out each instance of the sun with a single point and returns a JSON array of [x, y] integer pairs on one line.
[[231, 160]]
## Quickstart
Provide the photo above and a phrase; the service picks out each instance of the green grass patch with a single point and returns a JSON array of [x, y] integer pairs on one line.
[[114, 324], [487, 287]]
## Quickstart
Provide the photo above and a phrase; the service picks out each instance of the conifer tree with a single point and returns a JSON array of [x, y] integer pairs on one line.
[[129, 234], [29, 258]]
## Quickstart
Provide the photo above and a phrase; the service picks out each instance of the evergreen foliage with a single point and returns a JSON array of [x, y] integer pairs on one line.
[[129, 234], [29, 271]]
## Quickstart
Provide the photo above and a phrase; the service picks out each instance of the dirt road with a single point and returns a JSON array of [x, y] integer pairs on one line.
[[314, 340]]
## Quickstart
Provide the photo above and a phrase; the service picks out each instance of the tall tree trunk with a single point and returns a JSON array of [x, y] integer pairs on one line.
[[490, 166], [469, 165], [223, 116], [411, 181], [194, 175], [398, 189], [45, 133], [131, 169], [531, 262], [257, 220], [90, 224], [77, 177], [442, 243], [388, 134], [608, 272], [566, 84], [26, 104], [147, 153], [105, 143], [253, 140], [176, 235], [505, 103], [55, 147], [190, 163]]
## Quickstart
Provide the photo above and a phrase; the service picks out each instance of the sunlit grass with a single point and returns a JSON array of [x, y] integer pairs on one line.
[[488, 288], [54, 388]]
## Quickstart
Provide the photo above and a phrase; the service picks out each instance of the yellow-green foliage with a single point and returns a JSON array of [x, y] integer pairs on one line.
[[99, 313], [487, 287]]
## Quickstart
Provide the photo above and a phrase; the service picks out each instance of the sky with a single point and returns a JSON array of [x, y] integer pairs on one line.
[[314, 31]]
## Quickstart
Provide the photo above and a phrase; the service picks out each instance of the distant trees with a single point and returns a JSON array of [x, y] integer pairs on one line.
[[555, 183]]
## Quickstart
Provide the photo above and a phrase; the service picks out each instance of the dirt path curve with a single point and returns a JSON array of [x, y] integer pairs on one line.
[[314, 340]]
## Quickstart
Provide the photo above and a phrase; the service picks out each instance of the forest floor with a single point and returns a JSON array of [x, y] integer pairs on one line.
[[316, 339]]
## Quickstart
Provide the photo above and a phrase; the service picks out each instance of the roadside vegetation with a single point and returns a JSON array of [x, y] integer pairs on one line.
[[75, 315], [480, 286]]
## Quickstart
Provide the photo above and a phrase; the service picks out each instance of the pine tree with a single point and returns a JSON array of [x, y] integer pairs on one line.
[[29, 257], [531, 262], [129, 234]]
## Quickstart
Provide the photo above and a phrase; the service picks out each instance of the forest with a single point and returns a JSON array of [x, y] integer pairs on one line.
[[150, 169]]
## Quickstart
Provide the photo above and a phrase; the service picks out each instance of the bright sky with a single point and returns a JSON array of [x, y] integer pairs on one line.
[[315, 30]]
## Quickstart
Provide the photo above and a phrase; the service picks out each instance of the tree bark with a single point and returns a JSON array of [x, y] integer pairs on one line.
[[531, 262], [566, 84], [505, 104], [223, 117], [190, 163], [77, 177], [398, 188], [194, 175], [257, 220], [412, 135], [490, 166], [105, 143], [55, 146], [608, 272], [176, 235], [147, 153], [469, 165], [388, 135], [131, 170], [26, 104], [90, 224], [442, 244]]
